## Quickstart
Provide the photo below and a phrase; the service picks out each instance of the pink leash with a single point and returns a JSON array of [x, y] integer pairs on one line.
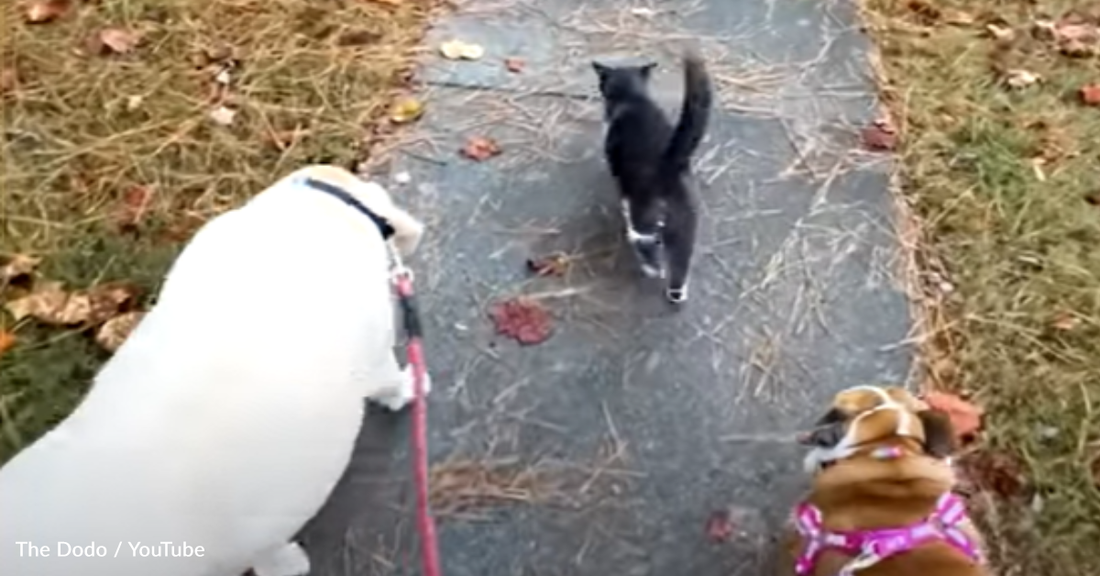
[[425, 524]]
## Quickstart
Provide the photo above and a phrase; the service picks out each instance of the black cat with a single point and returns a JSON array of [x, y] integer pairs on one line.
[[649, 159]]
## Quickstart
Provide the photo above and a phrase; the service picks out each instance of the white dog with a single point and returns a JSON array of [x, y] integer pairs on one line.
[[227, 417]]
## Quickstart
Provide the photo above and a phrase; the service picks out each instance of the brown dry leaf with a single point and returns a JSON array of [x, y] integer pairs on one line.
[[7, 341], [1020, 78], [514, 65], [1002, 33], [459, 50], [17, 267], [480, 148], [9, 80], [880, 136], [52, 305], [995, 472], [134, 205], [118, 40], [43, 11], [1065, 321], [406, 110], [114, 332], [966, 418], [1090, 94]]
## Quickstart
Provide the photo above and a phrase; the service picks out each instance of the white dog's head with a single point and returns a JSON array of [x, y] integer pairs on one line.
[[407, 231]]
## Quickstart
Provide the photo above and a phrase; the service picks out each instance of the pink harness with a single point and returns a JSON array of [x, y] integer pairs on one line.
[[871, 546]]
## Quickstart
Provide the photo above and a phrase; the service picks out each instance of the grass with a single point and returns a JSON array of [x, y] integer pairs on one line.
[[1003, 187], [112, 159]]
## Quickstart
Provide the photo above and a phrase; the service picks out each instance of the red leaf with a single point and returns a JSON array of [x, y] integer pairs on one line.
[[133, 207], [524, 320], [966, 418], [480, 148], [1090, 94], [514, 65], [880, 137], [719, 526]]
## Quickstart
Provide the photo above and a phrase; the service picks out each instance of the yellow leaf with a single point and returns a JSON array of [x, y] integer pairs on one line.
[[7, 341], [407, 110], [115, 331], [459, 50]]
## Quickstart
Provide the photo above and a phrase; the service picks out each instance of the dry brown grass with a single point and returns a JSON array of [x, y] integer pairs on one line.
[[1003, 184], [112, 159]]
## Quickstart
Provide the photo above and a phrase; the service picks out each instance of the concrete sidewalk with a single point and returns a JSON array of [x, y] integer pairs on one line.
[[637, 421]]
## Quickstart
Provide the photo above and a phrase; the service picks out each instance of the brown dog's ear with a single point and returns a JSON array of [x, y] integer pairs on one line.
[[939, 434]]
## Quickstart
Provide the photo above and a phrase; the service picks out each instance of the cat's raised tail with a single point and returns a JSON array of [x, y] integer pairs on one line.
[[694, 116]]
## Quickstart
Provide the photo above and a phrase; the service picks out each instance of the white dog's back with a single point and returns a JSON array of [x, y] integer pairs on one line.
[[228, 415]]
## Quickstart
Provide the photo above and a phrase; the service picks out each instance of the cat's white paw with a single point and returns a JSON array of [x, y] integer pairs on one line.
[[401, 397], [286, 560]]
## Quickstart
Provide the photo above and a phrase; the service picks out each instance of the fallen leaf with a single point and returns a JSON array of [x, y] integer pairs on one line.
[[358, 38], [1019, 78], [522, 319], [9, 80], [1002, 33], [406, 110], [50, 304], [118, 40], [1065, 321], [480, 148], [994, 472], [43, 11], [223, 115], [459, 50], [880, 136], [1090, 94], [556, 264], [719, 526], [114, 332], [18, 267], [133, 206], [514, 65], [966, 418], [1093, 198], [7, 341]]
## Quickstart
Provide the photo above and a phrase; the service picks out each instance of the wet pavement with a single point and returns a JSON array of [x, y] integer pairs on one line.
[[634, 422]]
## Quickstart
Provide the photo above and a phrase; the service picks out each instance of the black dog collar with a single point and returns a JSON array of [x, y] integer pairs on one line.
[[383, 226]]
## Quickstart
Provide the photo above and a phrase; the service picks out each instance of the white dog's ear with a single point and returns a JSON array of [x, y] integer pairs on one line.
[[407, 231]]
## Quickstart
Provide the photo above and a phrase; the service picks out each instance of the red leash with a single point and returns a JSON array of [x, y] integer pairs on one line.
[[425, 524]]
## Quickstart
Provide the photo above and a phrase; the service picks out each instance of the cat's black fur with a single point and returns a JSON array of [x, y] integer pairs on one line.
[[650, 160]]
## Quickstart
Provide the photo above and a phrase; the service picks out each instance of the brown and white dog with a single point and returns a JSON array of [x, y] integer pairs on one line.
[[881, 501]]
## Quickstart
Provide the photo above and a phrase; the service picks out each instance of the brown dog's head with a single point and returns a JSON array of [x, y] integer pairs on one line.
[[866, 417]]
